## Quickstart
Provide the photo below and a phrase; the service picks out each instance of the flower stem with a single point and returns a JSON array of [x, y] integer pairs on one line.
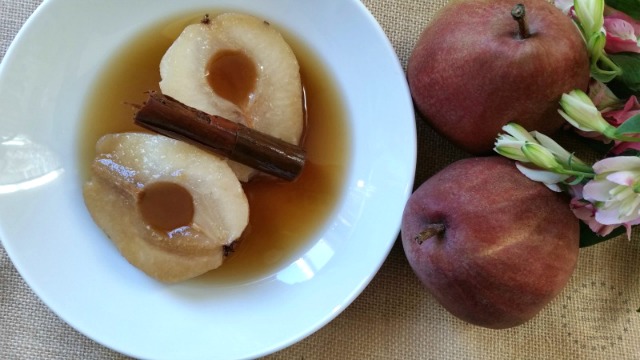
[[626, 138], [582, 168], [589, 175]]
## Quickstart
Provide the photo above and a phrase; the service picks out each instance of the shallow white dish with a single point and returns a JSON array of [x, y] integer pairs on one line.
[[44, 80]]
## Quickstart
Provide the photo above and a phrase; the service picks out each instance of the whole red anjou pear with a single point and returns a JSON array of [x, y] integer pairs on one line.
[[477, 67], [492, 246]]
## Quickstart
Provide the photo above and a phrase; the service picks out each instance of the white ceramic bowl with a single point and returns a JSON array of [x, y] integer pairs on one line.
[[52, 241]]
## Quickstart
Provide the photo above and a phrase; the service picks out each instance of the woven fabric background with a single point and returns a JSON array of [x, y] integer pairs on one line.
[[593, 318]]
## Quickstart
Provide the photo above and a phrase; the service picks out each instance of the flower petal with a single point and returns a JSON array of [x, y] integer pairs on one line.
[[579, 111], [518, 132], [617, 117], [576, 191], [617, 163], [590, 13], [574, 123], [585, 211], [601, 96], [598, 190], [622, 177], [617, 45], [576, 105], [608, 216], [616, 14], [622, 33], [582, 209], [612, 216], [629, 207], [619, 28], [511, 150], [540, 156], [555, 148], [542, 176], [621, 147]]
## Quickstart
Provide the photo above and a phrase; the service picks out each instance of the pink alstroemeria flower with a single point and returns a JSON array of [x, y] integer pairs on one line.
[[618, 117], [622, 32], [622, 146], [586, 212], [602, 97], [615, 191]]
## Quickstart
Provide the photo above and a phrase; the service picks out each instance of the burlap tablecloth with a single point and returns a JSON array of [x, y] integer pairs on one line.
[[593, 318]]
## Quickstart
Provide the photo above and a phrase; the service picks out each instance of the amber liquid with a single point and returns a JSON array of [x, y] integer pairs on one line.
[[284, 216]]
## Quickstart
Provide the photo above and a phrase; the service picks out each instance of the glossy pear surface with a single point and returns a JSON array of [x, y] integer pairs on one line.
[[241, 68], [128, 165]]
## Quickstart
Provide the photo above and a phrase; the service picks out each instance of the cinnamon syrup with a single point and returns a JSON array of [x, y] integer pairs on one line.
[[284, 216]]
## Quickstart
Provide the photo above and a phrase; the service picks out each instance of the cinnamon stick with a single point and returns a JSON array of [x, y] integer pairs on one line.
[[167, 116]]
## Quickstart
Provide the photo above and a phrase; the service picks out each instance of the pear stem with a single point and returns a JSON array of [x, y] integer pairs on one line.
[[430, 231], [518, 13]]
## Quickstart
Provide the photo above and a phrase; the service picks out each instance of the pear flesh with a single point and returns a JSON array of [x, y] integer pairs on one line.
[[269, 97], [127, 164]]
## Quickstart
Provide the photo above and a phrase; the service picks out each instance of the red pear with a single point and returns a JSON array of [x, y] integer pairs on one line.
[[492, 246], [477, 67]]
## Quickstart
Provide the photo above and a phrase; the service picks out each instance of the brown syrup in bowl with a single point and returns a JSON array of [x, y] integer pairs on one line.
[[284, 216]]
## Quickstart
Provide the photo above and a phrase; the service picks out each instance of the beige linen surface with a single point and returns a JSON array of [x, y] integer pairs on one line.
[[394, 318]]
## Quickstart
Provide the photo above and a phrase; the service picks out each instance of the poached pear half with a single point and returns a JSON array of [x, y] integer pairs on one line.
[[238, 67], [172, 209]]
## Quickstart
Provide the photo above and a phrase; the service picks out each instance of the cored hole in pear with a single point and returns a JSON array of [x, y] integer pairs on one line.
[[166, 206], [232, 75]]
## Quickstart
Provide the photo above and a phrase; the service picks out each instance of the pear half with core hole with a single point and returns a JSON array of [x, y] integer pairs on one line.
[[172, 209], [238, 67]]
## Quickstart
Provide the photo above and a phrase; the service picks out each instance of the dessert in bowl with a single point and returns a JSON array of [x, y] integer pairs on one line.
[[54, 86]]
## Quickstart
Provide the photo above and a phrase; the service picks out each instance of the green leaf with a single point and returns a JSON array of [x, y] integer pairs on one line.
[[576, 181], [597, 145], [631, 126], [630, 152], [630, 7], [630, 65], [589, 238], [603, 68], [620, 90]]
